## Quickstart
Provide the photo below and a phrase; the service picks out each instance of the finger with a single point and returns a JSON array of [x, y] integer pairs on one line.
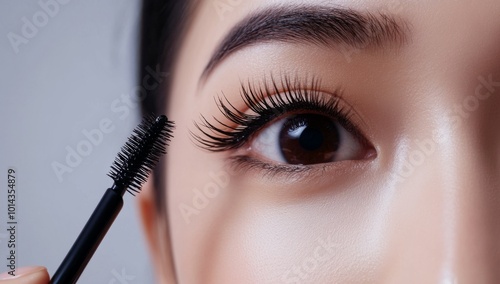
[[26, 275]]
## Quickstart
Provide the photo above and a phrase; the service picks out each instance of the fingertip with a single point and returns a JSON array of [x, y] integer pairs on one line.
[[26, 275]]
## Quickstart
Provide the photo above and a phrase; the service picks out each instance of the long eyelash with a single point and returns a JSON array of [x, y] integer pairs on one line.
[[267, 104]]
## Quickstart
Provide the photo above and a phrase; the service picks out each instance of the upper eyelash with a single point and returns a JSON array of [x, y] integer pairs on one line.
[[267, 104]]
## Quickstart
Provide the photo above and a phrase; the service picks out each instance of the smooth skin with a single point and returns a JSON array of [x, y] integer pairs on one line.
[[363, 221], [424, 209], [27, 275]]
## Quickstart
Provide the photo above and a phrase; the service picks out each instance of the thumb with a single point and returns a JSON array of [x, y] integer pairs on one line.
[[26, 275]]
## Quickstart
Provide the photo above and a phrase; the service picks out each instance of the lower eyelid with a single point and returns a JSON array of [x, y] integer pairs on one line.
[[243, 163], [292, 175]]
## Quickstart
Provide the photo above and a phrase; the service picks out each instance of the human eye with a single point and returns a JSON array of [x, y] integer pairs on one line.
[[288, 125], [307, 139]]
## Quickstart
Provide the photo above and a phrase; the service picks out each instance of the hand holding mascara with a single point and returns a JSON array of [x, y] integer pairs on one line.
[[129, 171]]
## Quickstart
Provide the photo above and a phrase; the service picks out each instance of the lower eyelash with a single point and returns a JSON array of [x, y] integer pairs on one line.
[[267, 104], [245, 163]]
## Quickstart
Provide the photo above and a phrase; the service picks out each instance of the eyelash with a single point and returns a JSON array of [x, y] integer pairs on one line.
[[267, 105]]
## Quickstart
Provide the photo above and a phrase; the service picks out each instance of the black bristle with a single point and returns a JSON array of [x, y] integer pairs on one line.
[[141, 153]]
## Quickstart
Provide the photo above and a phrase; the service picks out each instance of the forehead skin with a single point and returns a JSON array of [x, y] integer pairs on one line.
[[437, 225]]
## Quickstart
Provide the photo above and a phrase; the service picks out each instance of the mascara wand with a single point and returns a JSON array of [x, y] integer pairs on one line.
[[129, 171]]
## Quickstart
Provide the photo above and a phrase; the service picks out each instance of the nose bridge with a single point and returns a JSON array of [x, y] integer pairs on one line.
[[447, 229]]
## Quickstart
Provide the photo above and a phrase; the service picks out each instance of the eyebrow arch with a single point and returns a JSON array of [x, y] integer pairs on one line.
[[313, 25]]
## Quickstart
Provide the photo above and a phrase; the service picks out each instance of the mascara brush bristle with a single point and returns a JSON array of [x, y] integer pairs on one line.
[[141, 153]]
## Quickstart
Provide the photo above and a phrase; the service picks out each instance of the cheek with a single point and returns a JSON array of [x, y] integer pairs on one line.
[[288, 243]]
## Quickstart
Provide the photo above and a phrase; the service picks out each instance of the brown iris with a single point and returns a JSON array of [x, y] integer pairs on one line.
[[309, 139]]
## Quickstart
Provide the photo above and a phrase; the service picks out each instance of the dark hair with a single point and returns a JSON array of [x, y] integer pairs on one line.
[[162, 25]]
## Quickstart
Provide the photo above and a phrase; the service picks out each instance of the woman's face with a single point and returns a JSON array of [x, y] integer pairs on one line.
[[366, 150]]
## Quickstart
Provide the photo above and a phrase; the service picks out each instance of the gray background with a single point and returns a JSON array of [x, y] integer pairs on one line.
[[61, 82]]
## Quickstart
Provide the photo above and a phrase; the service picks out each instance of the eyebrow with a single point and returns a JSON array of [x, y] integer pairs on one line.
[[312, 25]]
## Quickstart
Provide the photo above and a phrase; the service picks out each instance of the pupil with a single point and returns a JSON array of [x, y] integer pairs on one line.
[[309, 139]]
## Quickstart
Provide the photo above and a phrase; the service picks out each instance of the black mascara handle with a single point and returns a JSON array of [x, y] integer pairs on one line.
[[89, 239]]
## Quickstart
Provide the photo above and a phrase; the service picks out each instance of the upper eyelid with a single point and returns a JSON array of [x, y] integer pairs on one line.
[[262, 98], [313, 85], [270, 92]]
